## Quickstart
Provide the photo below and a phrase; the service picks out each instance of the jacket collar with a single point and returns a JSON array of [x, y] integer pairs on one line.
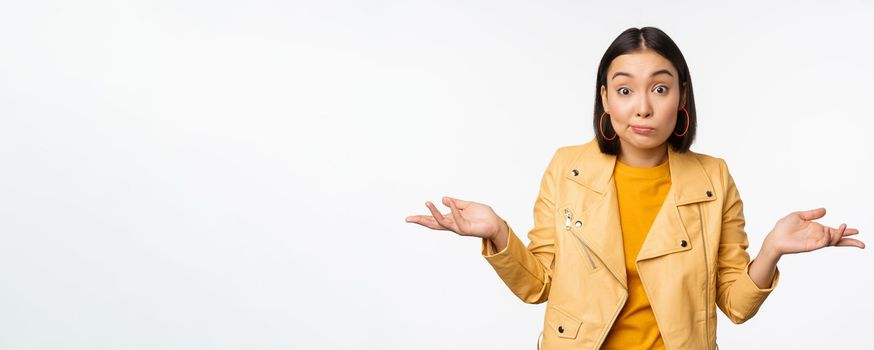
[[595, 171]]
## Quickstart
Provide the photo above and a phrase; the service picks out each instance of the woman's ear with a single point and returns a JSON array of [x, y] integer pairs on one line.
[[683, 96], [604, 98]]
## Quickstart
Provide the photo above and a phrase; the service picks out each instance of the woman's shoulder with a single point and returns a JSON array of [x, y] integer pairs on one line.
[[707, 159], [570, 152], [710, 162], [566, 155]]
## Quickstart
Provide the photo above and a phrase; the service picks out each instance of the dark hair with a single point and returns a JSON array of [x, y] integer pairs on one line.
[[635, 40]]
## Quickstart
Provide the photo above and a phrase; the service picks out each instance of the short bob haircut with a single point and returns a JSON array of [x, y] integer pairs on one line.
[[634, 40]]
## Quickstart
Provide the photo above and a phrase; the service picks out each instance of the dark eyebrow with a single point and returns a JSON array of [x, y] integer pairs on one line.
[[660, 71]]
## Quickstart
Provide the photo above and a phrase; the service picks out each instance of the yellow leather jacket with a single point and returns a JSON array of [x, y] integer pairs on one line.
[[693, 259]]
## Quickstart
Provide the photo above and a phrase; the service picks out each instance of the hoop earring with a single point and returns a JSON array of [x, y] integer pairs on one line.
[[687, 122], [601, 128]]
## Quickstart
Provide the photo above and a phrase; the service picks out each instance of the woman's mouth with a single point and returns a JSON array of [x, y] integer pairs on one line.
[[642, 130]]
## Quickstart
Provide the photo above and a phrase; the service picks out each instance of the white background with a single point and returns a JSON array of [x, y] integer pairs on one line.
[[235, 174]]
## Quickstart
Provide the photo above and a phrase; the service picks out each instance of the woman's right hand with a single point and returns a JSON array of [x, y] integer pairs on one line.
[[466, 218]]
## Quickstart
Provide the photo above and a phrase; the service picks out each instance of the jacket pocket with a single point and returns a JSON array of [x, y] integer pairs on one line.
[[563, 324]]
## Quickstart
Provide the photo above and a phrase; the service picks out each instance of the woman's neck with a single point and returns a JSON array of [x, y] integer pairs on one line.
[[643, 158]]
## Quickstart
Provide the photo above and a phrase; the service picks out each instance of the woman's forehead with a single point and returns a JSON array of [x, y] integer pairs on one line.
[[640, 65]]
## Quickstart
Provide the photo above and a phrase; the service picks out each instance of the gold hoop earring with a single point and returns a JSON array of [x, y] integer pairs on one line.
[[601, 128]]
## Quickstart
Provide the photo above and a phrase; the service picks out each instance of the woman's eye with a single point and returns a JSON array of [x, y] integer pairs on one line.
[[621, 91], [663, 88]]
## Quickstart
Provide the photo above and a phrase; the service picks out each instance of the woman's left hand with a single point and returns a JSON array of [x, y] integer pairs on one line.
[[798, 233]]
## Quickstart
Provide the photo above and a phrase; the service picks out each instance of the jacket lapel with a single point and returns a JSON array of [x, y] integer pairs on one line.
[[602, 231], [689, 185]]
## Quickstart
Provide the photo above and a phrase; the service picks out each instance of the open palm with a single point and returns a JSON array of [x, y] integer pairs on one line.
[[465, 218], [798, 233]]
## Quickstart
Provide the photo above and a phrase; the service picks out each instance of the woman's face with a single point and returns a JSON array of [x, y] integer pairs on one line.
[[642, 98]]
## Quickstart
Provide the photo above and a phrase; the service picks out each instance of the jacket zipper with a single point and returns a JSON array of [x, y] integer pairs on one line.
[[567, 219], [567, 226], [706, 279]]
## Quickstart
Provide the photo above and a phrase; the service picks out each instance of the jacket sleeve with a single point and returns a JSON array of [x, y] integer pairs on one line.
[[527, 271], [737, 295]]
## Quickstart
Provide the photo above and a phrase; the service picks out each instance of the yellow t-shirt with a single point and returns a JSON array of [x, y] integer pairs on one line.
[[641, 193]]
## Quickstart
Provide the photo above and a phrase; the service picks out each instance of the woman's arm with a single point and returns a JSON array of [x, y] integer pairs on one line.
[[741, 285], [526, 270]]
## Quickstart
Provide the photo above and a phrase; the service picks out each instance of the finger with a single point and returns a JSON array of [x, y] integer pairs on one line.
[[456, 215], [460, 204], [425, 220], [812, 214], [439, 217], [850, 231], [434, 212], [849, 242], [835, 234]]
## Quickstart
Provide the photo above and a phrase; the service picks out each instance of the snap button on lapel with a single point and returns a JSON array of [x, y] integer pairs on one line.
[[578, 223], [575, 172], [683, 243], [709, 194]]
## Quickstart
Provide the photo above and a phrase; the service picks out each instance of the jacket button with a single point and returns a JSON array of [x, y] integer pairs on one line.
[[560, 329], [709, 194], [683, 243], [578, 223], [575, 172]]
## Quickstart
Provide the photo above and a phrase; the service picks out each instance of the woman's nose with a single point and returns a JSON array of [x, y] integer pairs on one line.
[[644, 109]]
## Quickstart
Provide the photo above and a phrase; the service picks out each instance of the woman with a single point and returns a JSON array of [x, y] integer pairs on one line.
[[637, 239]]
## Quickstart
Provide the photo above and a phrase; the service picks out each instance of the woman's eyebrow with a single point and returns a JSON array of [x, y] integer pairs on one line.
[[660, 71]]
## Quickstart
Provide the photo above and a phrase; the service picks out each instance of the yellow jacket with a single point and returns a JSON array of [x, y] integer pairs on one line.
[[693, 259]]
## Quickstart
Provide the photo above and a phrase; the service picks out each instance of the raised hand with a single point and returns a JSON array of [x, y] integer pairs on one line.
[[465, 218], [798, 233]]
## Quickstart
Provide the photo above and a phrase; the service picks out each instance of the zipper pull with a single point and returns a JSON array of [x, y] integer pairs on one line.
[[567, 219]]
